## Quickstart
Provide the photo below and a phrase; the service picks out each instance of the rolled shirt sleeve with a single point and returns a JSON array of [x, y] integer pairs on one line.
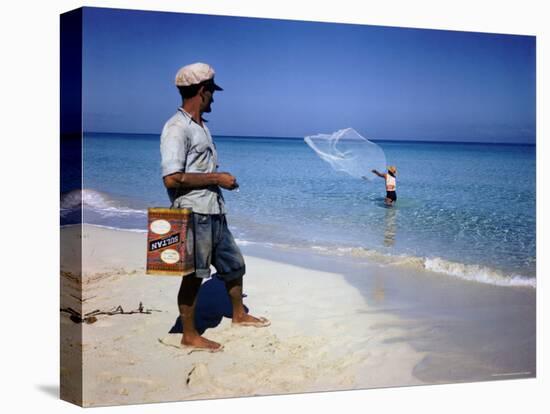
[[173, 150]]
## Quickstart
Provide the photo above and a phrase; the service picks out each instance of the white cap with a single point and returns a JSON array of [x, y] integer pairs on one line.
[[196, 73]]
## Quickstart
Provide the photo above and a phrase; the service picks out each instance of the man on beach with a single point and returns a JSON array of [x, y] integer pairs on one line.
[[189, 170]]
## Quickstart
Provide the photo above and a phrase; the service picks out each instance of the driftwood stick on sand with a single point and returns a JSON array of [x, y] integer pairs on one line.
[[90, 317]]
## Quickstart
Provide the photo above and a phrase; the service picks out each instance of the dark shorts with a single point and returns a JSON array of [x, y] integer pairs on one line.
[[215, 245], [391, 195]]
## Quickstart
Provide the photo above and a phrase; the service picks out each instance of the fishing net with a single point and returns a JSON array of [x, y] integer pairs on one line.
[[349, 152]]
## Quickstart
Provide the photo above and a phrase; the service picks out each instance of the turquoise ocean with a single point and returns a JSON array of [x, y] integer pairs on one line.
[[464, 210]]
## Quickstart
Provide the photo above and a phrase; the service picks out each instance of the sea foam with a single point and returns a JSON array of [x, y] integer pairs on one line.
[[470, 272], [97, 201]]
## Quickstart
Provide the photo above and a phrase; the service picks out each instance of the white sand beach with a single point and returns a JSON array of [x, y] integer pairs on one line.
[[324, 335]]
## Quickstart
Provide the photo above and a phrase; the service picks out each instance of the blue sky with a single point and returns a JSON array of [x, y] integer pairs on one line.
[[294, 78]]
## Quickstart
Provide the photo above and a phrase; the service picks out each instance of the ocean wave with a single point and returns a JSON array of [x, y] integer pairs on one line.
[[473, 273], [117, 228], [242, 242], [97, 201], [477, 273], [470, 272]]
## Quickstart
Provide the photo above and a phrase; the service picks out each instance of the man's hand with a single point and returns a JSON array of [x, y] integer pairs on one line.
[[227, 181]]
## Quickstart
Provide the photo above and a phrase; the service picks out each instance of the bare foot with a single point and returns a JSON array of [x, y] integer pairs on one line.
[[199, 342], [248, 320]]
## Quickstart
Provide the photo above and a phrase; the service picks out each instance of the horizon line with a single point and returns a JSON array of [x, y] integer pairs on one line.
[[301, 138]]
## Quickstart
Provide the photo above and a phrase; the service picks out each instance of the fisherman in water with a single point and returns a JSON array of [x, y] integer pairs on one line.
[[391, 196]]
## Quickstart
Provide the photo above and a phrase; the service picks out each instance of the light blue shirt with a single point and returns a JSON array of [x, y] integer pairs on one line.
[[187, 147]]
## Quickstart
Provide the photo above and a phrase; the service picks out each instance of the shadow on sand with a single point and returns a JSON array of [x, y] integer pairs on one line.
[[213, 304]]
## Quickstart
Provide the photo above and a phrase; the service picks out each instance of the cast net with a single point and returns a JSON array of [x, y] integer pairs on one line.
[[349, 152]]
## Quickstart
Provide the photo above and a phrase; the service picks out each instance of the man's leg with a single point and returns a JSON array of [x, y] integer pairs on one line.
[[235, 291], [240, 317], [190, 285], [229, 262], [187, 300]]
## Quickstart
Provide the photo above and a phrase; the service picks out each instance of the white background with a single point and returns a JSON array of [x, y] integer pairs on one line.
[[29, 306]]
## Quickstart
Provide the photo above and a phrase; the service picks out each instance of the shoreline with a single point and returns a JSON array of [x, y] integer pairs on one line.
[[464, 271], [336, 325]]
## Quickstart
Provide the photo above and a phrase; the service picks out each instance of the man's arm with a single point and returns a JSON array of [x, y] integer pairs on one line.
[[378, 174], [190, 181]]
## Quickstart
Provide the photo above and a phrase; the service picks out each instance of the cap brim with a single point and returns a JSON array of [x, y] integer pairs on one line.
[[217, 87]]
